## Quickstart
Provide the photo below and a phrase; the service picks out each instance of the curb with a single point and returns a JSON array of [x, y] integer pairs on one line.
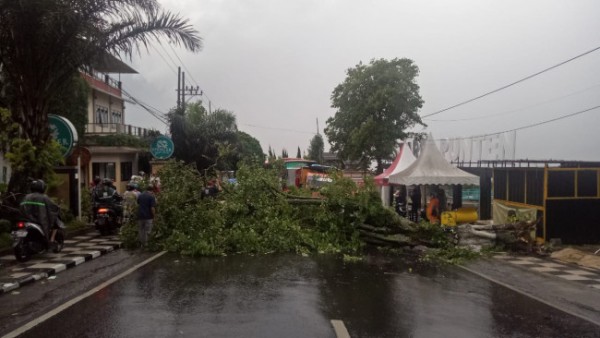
[[77, 250], [70, 234]]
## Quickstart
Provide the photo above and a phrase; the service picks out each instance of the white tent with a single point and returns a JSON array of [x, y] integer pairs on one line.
[[403, 160], [432, 168]]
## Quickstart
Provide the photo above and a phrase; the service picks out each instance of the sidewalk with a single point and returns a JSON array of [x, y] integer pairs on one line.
[[583, 257], [565, 286], [77, 250]]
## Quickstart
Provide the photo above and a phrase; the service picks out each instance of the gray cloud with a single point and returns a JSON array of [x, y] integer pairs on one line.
[[275, 64]]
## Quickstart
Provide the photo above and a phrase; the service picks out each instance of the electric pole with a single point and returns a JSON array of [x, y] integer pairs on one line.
[[178, 87], [183, 90]]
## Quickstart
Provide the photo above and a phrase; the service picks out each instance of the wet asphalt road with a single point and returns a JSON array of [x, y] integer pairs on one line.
[[295, 296]]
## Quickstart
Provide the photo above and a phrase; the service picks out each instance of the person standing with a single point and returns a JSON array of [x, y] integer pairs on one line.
[[433, 209], [415, 197], [129, 201], [146, 212]]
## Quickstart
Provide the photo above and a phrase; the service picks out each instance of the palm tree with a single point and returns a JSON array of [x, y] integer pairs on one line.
[[44, 43]]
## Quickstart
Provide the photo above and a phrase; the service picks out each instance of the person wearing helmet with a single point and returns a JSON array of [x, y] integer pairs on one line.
[[40, 209], [107, 194]]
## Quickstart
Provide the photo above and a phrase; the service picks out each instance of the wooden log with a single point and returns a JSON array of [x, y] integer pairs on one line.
[[398, 239], [380, 230]]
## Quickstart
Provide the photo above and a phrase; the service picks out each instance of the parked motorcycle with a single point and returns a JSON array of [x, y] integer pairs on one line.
[[29, 239], [107, 218]]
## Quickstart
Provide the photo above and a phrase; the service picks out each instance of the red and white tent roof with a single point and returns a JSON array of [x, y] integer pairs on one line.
[[403, 160], [432, 168]]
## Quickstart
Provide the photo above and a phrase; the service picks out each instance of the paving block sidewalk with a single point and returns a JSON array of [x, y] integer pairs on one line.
[[77, 250], [589, 277], [579, 257]]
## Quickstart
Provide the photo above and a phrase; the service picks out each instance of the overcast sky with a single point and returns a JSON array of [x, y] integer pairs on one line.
[[275, 64]]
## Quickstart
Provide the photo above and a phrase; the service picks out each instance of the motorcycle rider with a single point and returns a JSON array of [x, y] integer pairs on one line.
[[107, 194], [40, 209]]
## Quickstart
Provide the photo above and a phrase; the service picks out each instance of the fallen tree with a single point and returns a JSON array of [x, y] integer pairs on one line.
[[255, 216]]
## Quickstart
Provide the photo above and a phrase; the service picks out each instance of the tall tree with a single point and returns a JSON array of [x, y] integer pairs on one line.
[[298, 153], [205, 139], [316, 149], [375, 105], [44, 43], [271, 156], [249, 149], [284, 153]]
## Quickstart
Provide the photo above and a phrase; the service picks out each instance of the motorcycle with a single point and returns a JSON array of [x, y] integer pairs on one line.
[[29, 239], [107, 219]]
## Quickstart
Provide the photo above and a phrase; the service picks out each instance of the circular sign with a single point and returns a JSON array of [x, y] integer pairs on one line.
[[63, 131], [162, 147]]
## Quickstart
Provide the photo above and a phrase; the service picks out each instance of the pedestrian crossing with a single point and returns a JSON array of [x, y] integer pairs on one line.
[[585, 276], [76, 251]]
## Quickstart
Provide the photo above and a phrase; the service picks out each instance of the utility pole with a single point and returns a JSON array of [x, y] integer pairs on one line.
[[183, 91], [178, 87]]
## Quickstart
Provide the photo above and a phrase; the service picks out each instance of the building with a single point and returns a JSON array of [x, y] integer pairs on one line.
[[106, 117], [564, 194]]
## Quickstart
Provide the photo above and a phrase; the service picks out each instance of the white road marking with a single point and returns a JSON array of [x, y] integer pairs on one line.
[[19, 331], [340, 329]]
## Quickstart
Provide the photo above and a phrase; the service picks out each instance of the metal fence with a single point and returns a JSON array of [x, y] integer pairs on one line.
[[114, 128]]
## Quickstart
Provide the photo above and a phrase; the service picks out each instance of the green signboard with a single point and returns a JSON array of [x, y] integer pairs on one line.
[[63, 131], [162, 148]]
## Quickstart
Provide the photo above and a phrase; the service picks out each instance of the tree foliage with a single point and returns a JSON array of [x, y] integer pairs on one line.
[[72, 102], [208, 140], [22, 154], [316, 149], [254, 216], [249, 150], [375, 105], [44, 43]]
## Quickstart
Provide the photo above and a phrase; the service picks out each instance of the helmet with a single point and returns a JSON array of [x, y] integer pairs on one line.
[[38, 186], [97, 180], [130, 186], [107, 181]]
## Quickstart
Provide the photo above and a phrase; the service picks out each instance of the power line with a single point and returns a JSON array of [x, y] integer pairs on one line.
[[282, 129], [519, 109], [168, 55], [540, 123], [156, 113], [511, 84], [164, 60]]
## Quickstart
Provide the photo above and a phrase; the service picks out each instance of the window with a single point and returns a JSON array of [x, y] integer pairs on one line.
[[104, 170], [116, 117], [126, 171], [101, 115]]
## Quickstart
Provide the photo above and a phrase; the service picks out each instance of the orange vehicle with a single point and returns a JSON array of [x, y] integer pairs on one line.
[[313, 176]]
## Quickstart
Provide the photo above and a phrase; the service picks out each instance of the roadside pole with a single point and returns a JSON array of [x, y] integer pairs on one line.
[[79, 180]]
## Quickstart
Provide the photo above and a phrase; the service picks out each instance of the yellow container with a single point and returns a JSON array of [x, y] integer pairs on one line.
[[459, 216]]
